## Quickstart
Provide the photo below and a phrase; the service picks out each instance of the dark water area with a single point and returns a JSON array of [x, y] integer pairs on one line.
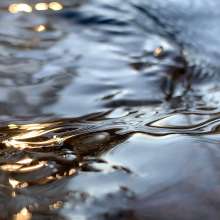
[[110, 110]]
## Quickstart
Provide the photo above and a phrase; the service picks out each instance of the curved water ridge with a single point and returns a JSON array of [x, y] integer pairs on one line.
[[134, 158], [109, 110]]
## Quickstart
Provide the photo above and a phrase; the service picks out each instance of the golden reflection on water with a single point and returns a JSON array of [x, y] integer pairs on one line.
[[19, 144], [10, 167], [40, 28], [25, 161], [25, 167], [28, 132], [12, 126], [30, 127], [40, 6], [34, 167], [15, 144], [158, 51], [56, 6], [21, 7], [13, 183], [24, 214]]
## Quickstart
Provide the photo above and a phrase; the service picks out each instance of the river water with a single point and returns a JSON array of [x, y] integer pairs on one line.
[[110, 110]]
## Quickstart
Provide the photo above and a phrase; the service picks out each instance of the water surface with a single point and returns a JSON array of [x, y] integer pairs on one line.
[[110, 110]]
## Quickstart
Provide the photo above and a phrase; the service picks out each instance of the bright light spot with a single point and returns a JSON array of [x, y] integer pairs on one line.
[[41, 6], [15, 144], [40, 28], [71, 172], [15, 8], [30, 134], [25, 161], [34, 167], [24, 214], [158, 51], [58, 139], [10, 167], [37, 126], [12, 126], [56, 6], [13, 183]]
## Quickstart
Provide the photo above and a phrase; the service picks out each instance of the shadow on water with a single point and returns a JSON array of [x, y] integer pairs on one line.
[[109, 110]]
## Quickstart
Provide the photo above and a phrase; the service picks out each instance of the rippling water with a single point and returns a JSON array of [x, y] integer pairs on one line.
[[110, 110]]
